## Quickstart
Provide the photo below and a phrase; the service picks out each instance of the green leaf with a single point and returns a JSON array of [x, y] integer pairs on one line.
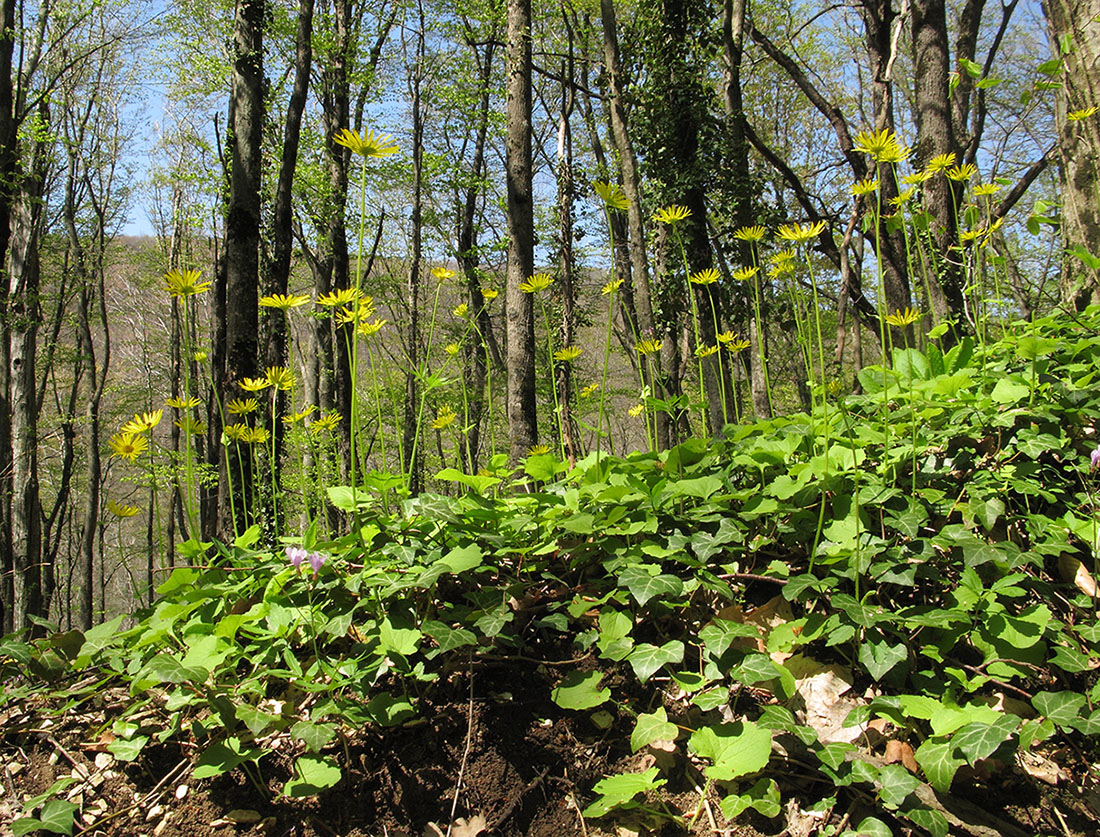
[[580, 690], [879, 657], [1008, 391], [389, 711], [701, 487], [56, 817], [313, 735], [873, 827], [617, 791], [896, 783], [763, 796], [737, 749], [931, 821], [1081, 252], [646, 659], [127, 749], [1063, 708], [399, 640], [221, 757], [448, 638], [315, 774], [255, 719], [936, 758], [543, 467], [644, 586], [650, 728], [463, 558], [977, 741]]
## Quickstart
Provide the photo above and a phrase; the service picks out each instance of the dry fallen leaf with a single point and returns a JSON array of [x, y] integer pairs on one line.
[[898, 752], [822, 689], [461, 827], [1074, 571]]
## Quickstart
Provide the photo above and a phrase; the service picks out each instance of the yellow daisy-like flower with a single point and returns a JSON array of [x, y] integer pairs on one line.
[[745, 273], [636, 410], [283, 302], [368, 144], [985, 189], [182, 403], [235, 433], [901, 319], [705, 277], [142, 422], [568, 354], [242, 406], [612, 195], [294, 418], [1078, 115], [726, 337], [800, 234], [198, 357], [452, 349], [444, 418], [961, 174], [368, 328], [184, 283], [753, 233], [867, 186], [461, 310], [782, 257], [336, 299], [326, 422], [648, 347], [127, 445], [918, 177], [121, 510], [536, 283], [904, 197], [257, 436], [442, 274], [590, 390], [611, 287], [189, 424], [279, 377], [671, 214], [489, 294], [780, 269], [705, 351], [941, 162], [882, 146], [254, 384], [736, 346], [538, 450]]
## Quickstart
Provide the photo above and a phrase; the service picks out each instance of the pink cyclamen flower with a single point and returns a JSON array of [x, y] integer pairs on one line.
[[1095, 457], [316, 561], [296, 555]]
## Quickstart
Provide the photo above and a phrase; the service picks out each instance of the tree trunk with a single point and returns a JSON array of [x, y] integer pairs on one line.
[[522, 418]]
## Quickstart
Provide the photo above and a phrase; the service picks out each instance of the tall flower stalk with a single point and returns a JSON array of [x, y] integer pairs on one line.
[[753, 236], [536, 284]]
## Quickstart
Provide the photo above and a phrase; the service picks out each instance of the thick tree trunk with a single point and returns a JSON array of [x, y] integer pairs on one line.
[[522, 418]]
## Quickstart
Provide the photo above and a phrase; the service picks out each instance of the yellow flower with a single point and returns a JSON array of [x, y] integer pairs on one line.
[[142, 422], [127, 445], [780, 269], [242, 406], [254, 384], [327, 422], [985, 189], [736, 346], [970, 236], [536, 283], [235, 433], [283, 302], [726, 337], [568, 354], [753, 233], [489, 294], [257, 436], [705, 351], [865, 187], [461, 310], [901, 319], [452, 349], [369, 328], [961, 174], [368, 144], [800, 234], [611, 287], [337, 299], [705, 277], [590, 390], [882, 146], [941, 162], [671, 214], [189, 424], [636, 410], [1078, 115], [182, 403], [612, 195], [538, 450], [294, 418], [442, 274], [279, 377], [121, 510], [184, 283], [198, 357], [903, 197], [918, 177], [782, 257], [648, 347], [745, 273], [444, 418]]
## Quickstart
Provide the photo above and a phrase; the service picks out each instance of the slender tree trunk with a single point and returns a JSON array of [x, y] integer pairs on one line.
[[412, 284], [566, 258], [522, 418]]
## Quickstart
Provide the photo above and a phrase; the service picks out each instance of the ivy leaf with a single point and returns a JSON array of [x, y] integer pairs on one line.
[[313, 735], [977, 741], [221, 757], [930, 820], [580, 690], [643, 586], [315, 774], [879, 657], [936, 758], [56, 817], [650, 728], [618, 791], [1063, 708], [737, 749], [646, 659], [448, 638], [896, 784]]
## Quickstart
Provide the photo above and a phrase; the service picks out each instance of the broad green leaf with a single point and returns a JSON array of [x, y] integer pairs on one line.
[[1009, 391], [647, 659], [879, 657], [543, 467], [937, 759], [650, 728], [644, 586], [448, 638], [580, 690], [313, 735], [221, 757], [127, 749], [701, 487], [314, 774], [389, 711], [718, 635], [617, 791], [930, 820], [478, 482], [56, 817], [736, 749], [763, 796], [895, 783], [463, 558], [255, 719], [1063, 708], [399, 640], [977, 741], [873, 827]]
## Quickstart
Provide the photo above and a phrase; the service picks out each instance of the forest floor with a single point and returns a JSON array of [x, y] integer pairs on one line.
[[493, 757]]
